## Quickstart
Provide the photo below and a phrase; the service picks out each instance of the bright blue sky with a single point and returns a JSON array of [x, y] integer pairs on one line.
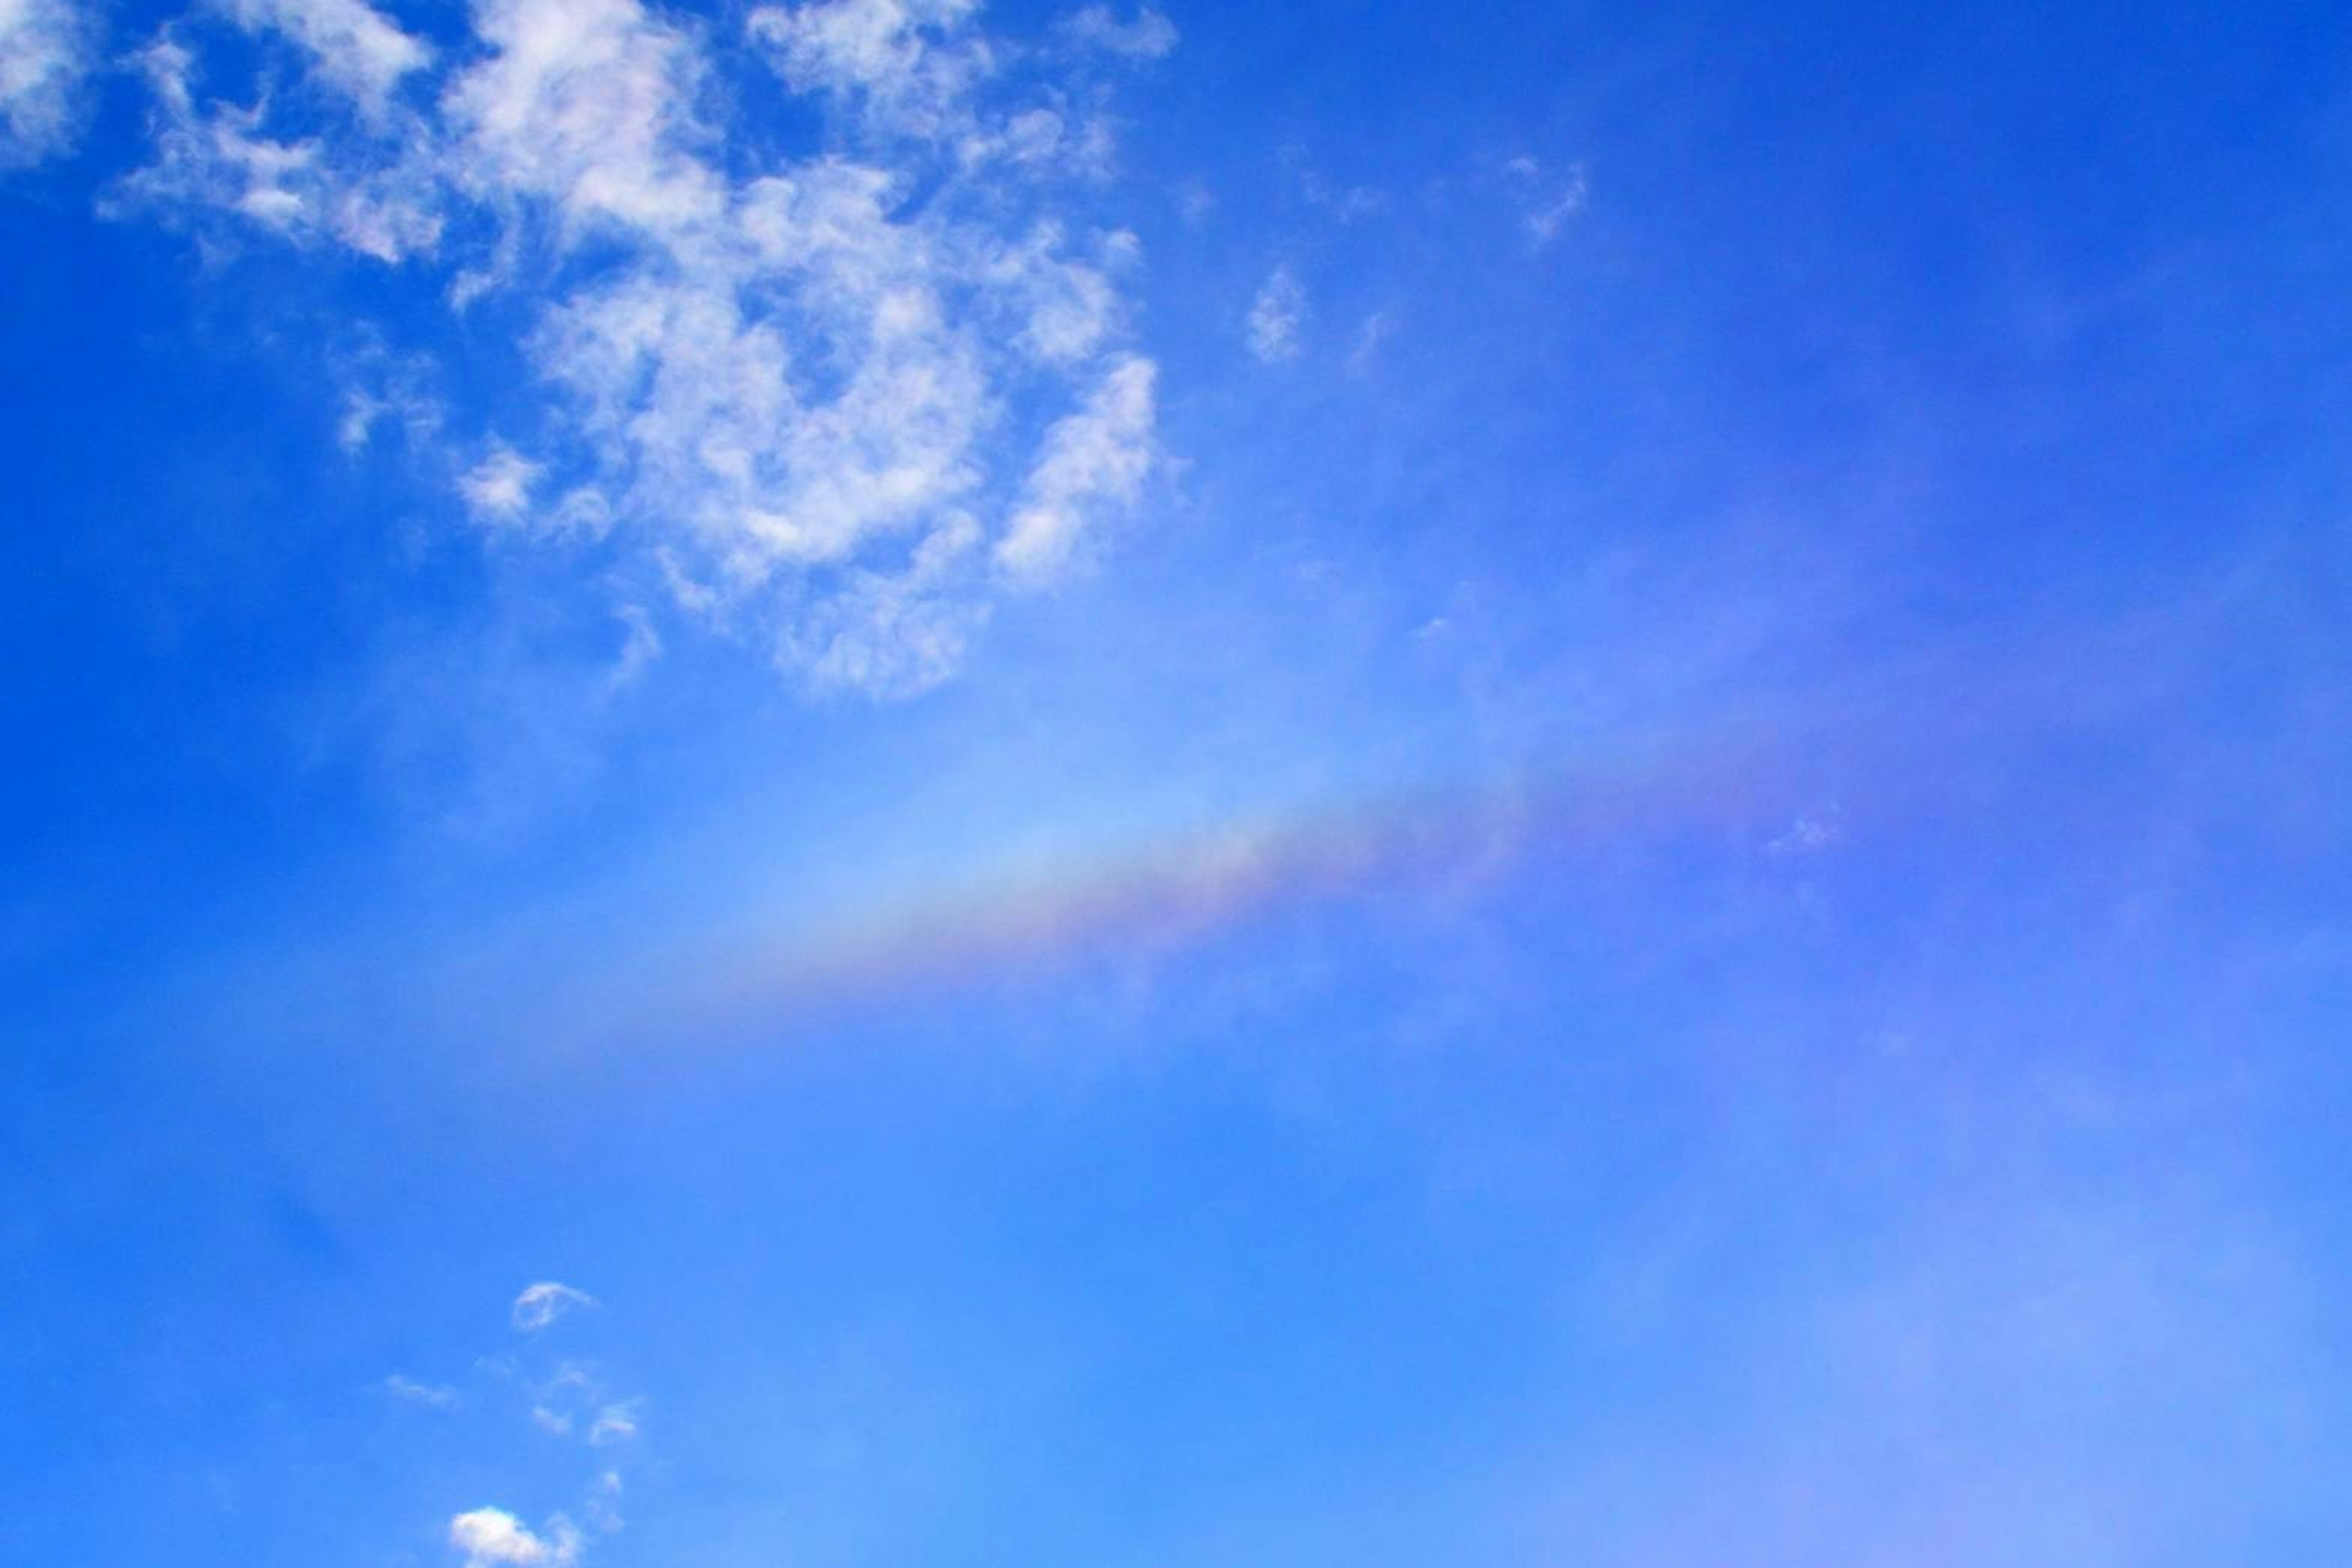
[[876, 782]]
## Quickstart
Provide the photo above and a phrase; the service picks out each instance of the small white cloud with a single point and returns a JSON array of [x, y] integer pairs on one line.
[[1275, 317], [381, 387], [1546, 203], [614, 1424], [1810, 833], [498, 489], [554, 1423], [542, 1304], [409, 1391], [1147, 38], [640, 647], [356, 48], [45, 47], [491, 1536], [1100, 455], [604, 1503]]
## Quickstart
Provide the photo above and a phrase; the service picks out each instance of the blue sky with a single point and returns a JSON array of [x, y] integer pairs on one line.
[[884, 782]]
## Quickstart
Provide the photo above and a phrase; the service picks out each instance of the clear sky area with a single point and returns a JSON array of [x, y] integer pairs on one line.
[[887, 783]]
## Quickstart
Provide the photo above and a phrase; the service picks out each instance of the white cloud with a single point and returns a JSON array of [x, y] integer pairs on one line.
[[357, 49], [604, 1503], [410, 1391], [811, 393], [588, 105], [1101, 454], [641, 645], [542, 1303], [491, 1536], [45, 47], [379, 388], [1547, 203], [499, 489], [614, 1424], [907, 64], [373, 196], [1809, 832], [1275, 316], [1148, 36]]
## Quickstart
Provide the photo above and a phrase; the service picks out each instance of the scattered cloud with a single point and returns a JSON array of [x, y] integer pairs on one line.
[[1376, 331], [818, 396], [498, 489], [1275, 317], [1148, 36], [543, 1303], [641, 645], [379, 388], [1547, 201], [46, 49], [603, 1508], [355, 49], [614, 1424], [566, 1400], [1810, 833], [491, 1536], [1099, 455], [409, 1391]]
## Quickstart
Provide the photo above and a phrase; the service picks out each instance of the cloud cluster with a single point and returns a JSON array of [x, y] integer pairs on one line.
[[839, 399], [569, 1402], [45, 53]]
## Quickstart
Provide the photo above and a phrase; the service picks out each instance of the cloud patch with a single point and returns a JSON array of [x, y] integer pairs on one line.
[[834, 399], [1275, 317], [1547, 201], [1146, 36], [542, 1304], [46, 49], [409, 1391], [493, 1538]]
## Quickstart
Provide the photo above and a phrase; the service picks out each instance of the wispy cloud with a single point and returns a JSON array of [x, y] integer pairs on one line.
[[498, 487], [1546, 200], [1377, 330], [1100, 454], [1276, 315], [816, 393], [45, 47], [432, 1396], [542, 1304], [1146, 35], [354, 48], [614, 1424]]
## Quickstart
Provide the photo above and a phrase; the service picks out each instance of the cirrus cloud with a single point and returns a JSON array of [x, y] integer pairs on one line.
[[542, 1304]]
